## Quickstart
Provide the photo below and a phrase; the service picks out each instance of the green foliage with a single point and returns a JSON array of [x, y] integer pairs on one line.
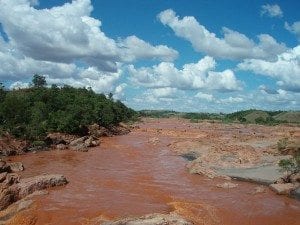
[[290, 165], [270, 118], [254, 116], [31, 113], [2, 92], [39, 81], [159, 113], [195, 117], [287, 165]]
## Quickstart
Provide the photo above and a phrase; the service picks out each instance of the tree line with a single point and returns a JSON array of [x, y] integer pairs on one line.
[[32, 112]]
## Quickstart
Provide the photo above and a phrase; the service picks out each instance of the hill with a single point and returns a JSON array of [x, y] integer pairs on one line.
[[290, 117]]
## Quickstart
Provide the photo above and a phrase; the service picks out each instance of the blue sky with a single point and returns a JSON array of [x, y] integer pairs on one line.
[[197, 55]]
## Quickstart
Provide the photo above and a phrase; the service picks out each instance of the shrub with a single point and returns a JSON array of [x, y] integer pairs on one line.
[[290, 165], [282, 144]]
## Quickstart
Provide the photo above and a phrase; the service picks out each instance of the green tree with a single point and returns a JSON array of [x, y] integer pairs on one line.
[[2, 92], [39, 81]]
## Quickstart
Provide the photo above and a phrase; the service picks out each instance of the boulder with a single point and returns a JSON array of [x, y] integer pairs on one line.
[[59, 138], [259, 189], [11, 178], [97, 131], [283, 189], [7, 197], [78, 141], [2, 176], [16, 166], [61, 146], [11, 146], [227, 185], [157, 219], [91, 142], [9, 151], [294, 178], [17, 189], [29, 185], [79, 147], [197, 168], [296, 193], [4, 167], [81, 144]]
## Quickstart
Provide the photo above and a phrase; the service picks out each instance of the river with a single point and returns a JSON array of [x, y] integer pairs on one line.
[[130, 176]]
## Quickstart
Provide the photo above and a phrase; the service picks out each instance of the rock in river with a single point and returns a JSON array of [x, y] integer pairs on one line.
[[157, 219], [19, 189], [283, 189]]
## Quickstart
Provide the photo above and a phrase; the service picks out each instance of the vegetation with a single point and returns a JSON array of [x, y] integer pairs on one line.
[[159, 113], [31, 113], [290, 165], [263, 117], [282, 144], [292, 147], [251, 116]]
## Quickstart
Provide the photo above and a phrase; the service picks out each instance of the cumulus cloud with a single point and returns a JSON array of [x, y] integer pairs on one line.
[[271, 10], [205, 96], [166, 92], [119, 91], [134, 48], [67, 45], [293, 28], [68, 33], [160, 97], [19, 85], [210, 98], [286, 69], [234, 45], [200, 75]]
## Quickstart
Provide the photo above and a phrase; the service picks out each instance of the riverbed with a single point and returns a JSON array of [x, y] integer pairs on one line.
[[139, 173]]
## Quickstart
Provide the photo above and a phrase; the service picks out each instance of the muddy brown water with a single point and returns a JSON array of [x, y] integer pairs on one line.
[[130, 176]]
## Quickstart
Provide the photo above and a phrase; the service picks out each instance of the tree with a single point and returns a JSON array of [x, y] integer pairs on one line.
[[39, 81], [2, 92]]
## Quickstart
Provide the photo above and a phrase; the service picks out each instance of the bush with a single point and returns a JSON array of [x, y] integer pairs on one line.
[[290, 165], [282, 144]]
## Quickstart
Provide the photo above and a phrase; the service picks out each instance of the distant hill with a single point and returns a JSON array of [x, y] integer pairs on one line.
[[290, 117], [159, 113], [256, 115], [245, 116], [264, 117]]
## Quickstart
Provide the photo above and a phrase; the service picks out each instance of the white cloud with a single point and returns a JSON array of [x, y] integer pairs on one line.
[[69, 34], [231, 100], [134, 48], [200, 75], [99, 81], [166, 92], [204, 96], [34, 2], [67, 45], [213, 99], [293, 28], [19, 85], [160, 97], [234, 45], [286, 69], [271, 10], [119, 91]]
